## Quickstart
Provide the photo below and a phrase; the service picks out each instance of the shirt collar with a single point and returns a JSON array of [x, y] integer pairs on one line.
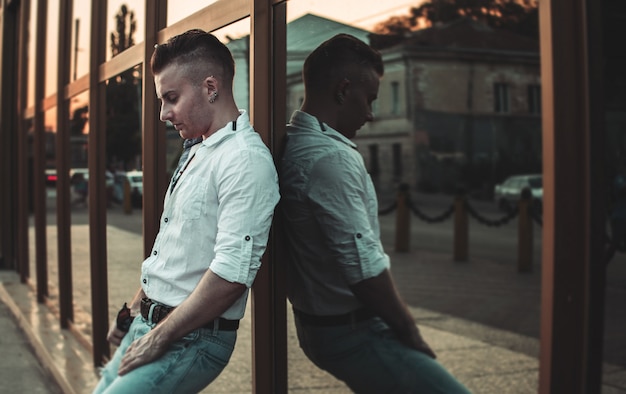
[[308, 121], [242, 121]]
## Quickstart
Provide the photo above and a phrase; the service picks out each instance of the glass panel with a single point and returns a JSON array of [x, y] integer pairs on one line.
[[238, 373], [81, 28], [51, 216], [32, 34], [452, 115], [52, 48], [614, 72], [81, 287], [125, 25], [177, 11], [30, 165], [124, 185]]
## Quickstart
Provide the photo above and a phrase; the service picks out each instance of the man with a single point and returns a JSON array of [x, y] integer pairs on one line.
[[213, 231], [349, 317]]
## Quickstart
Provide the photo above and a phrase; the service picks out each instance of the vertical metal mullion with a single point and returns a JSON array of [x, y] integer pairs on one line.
[[267, 106], [39, 154], [595, 141], [572, 244], [153, 131], [8, 113], [97, 194], [23, 175], [64, 242], [277, 253]]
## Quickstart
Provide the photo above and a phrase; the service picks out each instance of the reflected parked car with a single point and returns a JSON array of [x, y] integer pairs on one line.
[[135, 181], [508, 193], [51, 177], [135, 178], [85, 172]]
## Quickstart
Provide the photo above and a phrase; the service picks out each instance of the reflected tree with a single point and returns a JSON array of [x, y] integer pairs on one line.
[[122, 39], [78, 121], [519, 16], [123, 99]]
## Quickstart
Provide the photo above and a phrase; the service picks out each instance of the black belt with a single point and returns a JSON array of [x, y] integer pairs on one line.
[[356, 316], [160, 311]]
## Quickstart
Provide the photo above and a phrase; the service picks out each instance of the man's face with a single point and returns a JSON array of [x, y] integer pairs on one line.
[[183, 103], [357, 107]]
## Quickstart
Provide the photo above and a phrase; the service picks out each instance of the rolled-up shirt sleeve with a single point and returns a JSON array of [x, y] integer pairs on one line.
[[342, 201], [247, 197]]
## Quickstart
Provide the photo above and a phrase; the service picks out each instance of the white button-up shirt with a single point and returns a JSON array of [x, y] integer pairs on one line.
[[217, 217], [330, 213]]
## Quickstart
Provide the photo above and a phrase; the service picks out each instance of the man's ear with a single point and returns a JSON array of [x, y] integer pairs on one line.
[[343, 88], [211, 84]]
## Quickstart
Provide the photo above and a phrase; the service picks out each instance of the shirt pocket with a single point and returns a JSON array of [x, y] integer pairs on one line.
[[192, 197]]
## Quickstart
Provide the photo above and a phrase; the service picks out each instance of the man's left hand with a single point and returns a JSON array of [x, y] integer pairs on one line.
[[143, 351]]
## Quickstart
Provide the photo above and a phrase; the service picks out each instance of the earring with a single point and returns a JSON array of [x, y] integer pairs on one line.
[[340, 98], [213, 97]]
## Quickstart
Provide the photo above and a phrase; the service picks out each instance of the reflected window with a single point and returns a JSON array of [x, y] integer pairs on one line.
[[395, 98], [374, 165], [534, 99], [501, 97]]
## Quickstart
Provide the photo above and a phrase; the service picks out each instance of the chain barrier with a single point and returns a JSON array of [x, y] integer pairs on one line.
[[430, 219], [535, 214], [512, 213]]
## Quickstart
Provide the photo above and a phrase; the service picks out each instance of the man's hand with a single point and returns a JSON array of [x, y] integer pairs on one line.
[[379, 294], [415, 341], [143, 351]]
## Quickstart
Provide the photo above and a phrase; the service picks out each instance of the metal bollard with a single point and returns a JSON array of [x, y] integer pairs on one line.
[[525, 234], [403, 220], [128, 207], [461, 228]]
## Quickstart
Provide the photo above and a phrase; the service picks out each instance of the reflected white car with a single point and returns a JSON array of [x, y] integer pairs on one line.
[[135, 178], [508, 193]]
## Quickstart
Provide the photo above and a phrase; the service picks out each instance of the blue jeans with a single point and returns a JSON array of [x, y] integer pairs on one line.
[[369, 358], [188, 366]]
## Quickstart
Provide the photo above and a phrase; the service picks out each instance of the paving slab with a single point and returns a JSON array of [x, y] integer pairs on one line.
[[487, 358]]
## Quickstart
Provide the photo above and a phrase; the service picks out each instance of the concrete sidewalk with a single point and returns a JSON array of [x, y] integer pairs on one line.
[[487, 360]]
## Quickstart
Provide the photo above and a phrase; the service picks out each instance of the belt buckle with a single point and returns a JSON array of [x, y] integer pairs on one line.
[[153, 311]]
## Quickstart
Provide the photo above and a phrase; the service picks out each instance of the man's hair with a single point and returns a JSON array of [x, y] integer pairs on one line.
[[334, 57], [194, 47]]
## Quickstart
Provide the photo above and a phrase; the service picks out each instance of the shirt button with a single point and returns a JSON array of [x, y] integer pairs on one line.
[[145, 281], [154, 253], [165, 220], [247, 238], [358, 235]]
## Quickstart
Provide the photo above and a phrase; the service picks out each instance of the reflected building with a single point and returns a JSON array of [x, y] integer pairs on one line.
[[460, 101]]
